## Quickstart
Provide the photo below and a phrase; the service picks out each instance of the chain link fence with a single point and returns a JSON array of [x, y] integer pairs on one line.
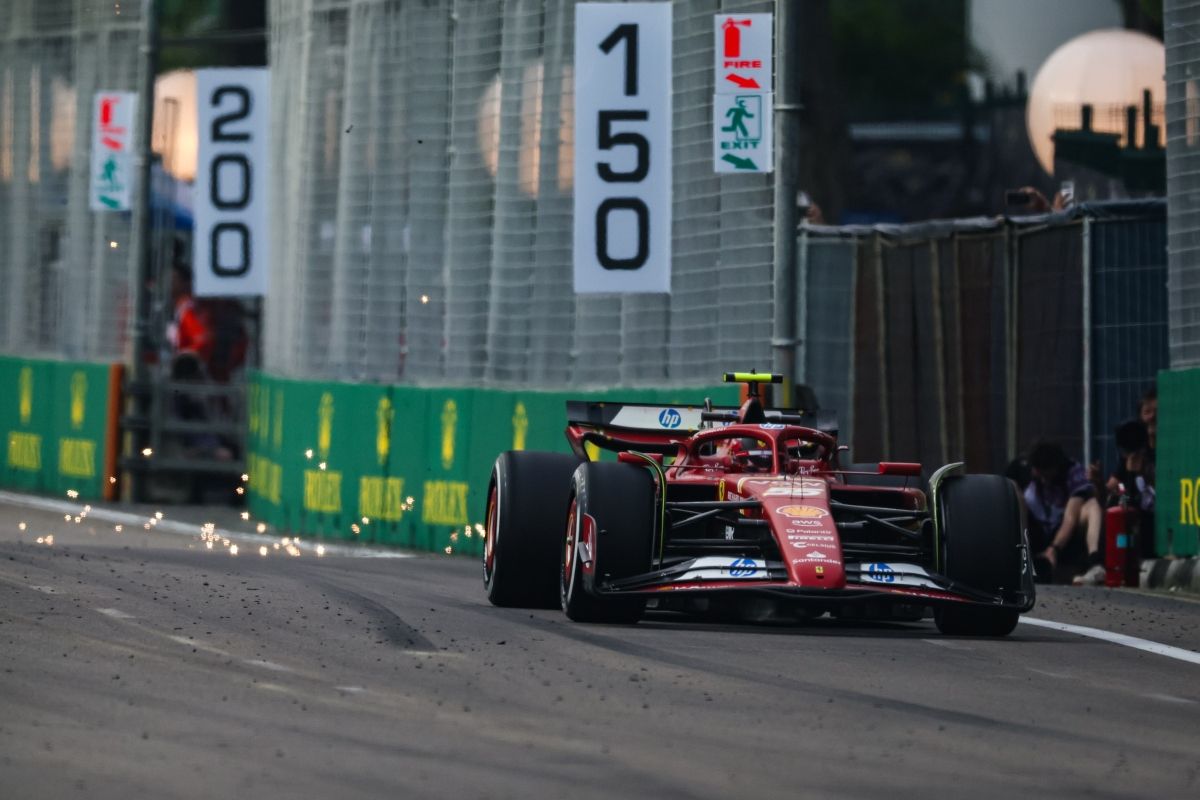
[[1181, 31], [423, 203], [967, 340], [65, 271]]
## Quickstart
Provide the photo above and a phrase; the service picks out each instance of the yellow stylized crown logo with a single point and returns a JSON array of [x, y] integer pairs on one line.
[[383, 429], [325, 425], [449, 421], [25, 387], [277, 421], [78, 399], [520, 421]]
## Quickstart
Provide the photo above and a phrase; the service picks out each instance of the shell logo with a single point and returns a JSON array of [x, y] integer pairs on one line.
[[802, 512]]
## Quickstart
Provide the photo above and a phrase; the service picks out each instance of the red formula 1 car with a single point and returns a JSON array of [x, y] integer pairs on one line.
[[746, 513]]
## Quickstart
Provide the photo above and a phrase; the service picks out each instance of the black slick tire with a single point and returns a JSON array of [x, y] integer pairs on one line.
[[608, 535], [980, 521], [526, 505]]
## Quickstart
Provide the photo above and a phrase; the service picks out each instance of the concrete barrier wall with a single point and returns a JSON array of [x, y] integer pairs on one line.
[[400, 465], [1177, 511], [59, 421]]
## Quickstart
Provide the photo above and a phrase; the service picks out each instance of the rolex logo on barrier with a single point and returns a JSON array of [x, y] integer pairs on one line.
[[449, 423], [78, 399]]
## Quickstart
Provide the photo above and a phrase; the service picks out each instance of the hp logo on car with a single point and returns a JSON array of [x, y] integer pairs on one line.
[[670, 418], [743, 568], [882, 573]]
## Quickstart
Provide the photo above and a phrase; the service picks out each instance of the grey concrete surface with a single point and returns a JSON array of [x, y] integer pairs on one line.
[[143, 664]]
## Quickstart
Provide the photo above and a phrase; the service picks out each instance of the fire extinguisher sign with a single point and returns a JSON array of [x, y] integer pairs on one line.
[[742, 56], [622, 148], [743, 102], [230, 250]]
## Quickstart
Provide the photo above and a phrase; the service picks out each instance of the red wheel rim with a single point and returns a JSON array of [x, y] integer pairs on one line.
[[569, 546], [489, 539]]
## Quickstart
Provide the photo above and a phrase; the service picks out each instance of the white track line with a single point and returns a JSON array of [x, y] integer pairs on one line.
[[184, 528], [1167, 650]]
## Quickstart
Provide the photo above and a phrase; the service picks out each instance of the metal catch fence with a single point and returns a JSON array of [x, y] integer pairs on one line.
[[423, 158], [65, 271], [968, 340]]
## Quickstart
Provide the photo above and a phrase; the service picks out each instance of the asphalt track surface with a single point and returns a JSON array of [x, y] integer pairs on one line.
[[143, 664]]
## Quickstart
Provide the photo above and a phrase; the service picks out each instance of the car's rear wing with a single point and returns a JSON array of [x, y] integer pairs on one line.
[[635, 416], [676, 420]]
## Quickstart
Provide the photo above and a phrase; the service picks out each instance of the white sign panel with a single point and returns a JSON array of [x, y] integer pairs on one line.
[[622, 147], [742, 126], [113, 123], [231, 248], [742, 54]]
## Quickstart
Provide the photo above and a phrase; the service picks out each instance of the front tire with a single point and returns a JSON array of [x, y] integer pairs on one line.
[[981, 542], [609, 533], [527, 501]]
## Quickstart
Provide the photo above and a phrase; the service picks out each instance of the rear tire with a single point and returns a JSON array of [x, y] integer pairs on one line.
[[526, 505], [980, 520], [620, 499]]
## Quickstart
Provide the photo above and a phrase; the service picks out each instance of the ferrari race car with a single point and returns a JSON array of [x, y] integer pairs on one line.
[[745, 513]]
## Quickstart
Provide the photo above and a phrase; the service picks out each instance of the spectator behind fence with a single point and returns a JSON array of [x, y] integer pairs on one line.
[[211, 329], [1148, 413], [1062, 505], [1133, 478], [1030, 200]]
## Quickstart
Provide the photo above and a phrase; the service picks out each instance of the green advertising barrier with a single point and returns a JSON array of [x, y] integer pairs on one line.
[[400, 465], [1177, 508], [58, 426]]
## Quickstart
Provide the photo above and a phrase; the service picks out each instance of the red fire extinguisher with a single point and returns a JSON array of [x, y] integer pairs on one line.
[[1121, 565]]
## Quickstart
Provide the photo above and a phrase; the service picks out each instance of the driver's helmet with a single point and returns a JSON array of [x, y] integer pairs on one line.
[[753, 453]]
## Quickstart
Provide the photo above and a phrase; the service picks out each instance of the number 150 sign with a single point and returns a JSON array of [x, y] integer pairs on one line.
[[622, 147], [230, 244]]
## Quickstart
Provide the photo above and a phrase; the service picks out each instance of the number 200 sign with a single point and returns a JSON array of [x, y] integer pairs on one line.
[[622, 147], [230, 248]]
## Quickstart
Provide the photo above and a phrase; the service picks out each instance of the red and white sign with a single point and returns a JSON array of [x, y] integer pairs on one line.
[[113, 123], [742, 53]]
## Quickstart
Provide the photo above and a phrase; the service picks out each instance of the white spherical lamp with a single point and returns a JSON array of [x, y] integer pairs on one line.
[[1107, 69]]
